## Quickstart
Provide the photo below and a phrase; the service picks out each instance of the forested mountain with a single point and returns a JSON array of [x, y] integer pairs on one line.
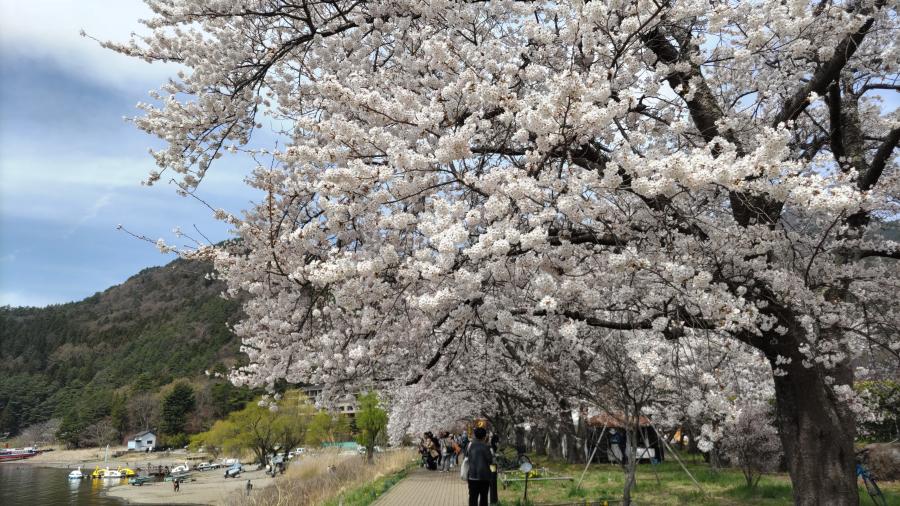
[[85, 361]]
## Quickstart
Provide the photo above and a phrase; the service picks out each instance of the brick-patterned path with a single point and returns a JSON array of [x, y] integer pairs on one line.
[[427, 488]]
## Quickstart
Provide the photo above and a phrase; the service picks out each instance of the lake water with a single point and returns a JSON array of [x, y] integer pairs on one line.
[[28, 485]]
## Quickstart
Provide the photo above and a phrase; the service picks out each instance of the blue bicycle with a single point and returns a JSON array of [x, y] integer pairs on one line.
[[871, 485]]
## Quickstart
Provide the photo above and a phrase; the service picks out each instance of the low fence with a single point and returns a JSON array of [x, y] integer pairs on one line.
[[599, 502]]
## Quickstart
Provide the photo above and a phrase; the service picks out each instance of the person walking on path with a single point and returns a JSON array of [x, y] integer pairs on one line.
[[495, 447], [249, 488], [431, 450], [175, 485], [480, 461], [446, 452], [463, 442]]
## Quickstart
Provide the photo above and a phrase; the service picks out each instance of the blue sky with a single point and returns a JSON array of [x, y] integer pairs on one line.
[[71, 167]]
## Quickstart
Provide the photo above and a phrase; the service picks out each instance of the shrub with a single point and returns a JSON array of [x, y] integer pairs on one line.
[[179, 440], [751, 442]]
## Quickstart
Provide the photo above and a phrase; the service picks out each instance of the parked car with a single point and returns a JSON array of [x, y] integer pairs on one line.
[[234, 471], [205, 466]]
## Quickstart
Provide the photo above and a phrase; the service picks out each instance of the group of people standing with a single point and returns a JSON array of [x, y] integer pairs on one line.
[[446, 451], [442, 451]]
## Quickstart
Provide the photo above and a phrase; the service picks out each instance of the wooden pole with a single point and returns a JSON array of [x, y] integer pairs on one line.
[[647, 450], [526, 487], [691, 476], [596, 445]]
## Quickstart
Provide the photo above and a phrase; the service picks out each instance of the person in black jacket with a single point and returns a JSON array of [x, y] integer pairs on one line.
[[495, 445], [480, 461]]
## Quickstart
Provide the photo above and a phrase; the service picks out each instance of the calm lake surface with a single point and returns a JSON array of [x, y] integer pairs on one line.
[[28, 485]]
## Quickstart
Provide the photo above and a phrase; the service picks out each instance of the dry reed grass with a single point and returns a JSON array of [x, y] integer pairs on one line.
[[310, 482]]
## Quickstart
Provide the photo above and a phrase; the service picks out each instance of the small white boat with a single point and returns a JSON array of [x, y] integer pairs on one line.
[[113, 474], [107, 473], [76, 474]]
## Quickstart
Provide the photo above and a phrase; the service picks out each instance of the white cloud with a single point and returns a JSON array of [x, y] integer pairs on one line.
[[36, 172], [50, 29], [90, 213], [78, 192], [19, 173]]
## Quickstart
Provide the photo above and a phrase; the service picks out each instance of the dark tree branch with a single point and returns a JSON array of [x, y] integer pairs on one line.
[[702, 105], [556, 237], [879, 86], [679, 319], [834, 116], [866, 253], [824, 76], [870, 178]]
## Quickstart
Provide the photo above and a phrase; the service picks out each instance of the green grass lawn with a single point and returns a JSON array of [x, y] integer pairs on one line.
[[605, 482]]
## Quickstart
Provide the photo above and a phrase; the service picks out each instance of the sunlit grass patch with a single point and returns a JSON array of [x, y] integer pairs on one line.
[[326, 478], [719, 487]]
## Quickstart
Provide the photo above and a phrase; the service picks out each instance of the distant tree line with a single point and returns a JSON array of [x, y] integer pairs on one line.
[[271, 425], [103, 366]]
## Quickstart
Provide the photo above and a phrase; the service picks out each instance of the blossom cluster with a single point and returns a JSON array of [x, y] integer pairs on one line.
[[508, 192]]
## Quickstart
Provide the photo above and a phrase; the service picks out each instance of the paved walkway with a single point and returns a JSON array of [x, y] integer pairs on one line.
[[427, 488]]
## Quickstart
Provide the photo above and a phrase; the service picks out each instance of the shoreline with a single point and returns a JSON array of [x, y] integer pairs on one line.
[[88, 458], [204, 488]]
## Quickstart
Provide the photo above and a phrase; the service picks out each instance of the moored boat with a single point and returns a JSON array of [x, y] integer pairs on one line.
[[76, 474], [140, 480], [183, 476], [181, 468], [7, 454], [112, 474], [108, 473]]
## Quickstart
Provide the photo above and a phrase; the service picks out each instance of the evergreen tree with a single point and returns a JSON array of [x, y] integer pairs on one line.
[[175, 407], [70, 430], [119, 414]]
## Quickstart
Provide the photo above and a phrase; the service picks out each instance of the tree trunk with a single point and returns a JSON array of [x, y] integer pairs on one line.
[[554, 450], [817, 433], [714, 458], [693, 448], [520, 439], [261, 455], [630, 464], [569, 442], [538, 441]]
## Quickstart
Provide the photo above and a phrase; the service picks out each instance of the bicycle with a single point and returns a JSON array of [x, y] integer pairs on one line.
[[871, 485], [507, 463]]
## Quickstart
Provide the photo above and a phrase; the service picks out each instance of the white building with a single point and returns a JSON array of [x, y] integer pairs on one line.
[[344, 404], [142, 442]]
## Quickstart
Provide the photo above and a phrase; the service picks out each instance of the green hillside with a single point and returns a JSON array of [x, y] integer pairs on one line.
[[86, 361]]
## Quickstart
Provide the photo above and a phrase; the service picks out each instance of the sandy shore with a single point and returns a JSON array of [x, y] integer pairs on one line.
[[208, 487], [87, 458]]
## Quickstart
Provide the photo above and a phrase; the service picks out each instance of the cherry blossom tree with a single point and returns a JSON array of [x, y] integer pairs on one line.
[[453, 179], [752, 442]]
